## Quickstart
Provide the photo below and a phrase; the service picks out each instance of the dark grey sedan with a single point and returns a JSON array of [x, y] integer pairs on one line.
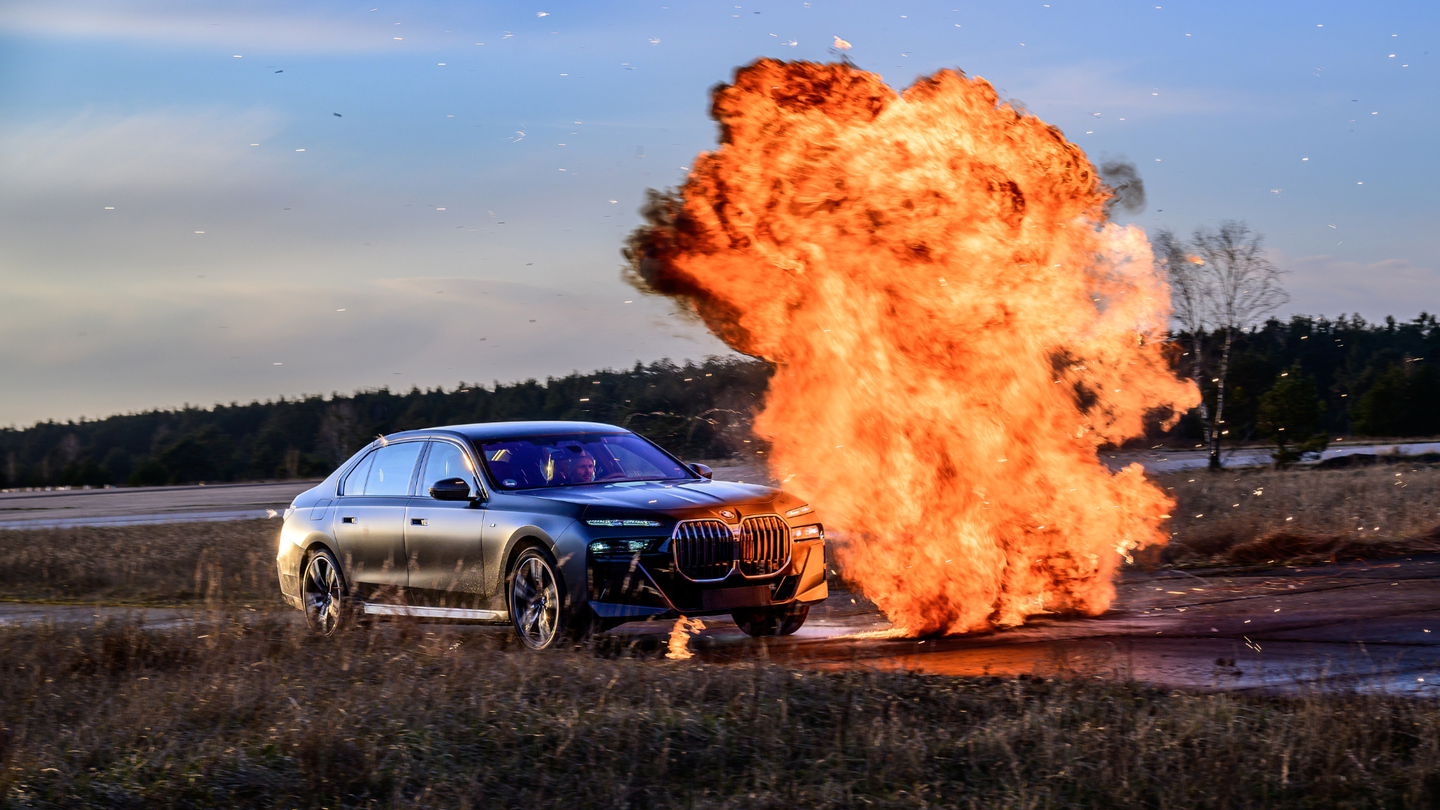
[[559, 528]]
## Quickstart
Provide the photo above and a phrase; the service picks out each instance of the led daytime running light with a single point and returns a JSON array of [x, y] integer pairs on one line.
[[608, 522], [618, 546]]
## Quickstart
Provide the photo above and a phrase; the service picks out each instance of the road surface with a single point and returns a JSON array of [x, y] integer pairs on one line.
[[1163, 460], [131, 506]]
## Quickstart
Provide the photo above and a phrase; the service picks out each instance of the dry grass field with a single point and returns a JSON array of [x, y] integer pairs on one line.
[[162, 564], [1254, 516], [245, 714]]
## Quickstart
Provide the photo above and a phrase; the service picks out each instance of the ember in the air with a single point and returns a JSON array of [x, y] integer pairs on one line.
[[955, 327]]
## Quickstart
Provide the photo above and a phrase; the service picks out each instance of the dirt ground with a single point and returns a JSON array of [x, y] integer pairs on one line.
[[1371, 625], [1368, 626]]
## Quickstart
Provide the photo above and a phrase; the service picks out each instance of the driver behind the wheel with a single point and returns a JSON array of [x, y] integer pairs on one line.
[[580, 468], [571, 464]]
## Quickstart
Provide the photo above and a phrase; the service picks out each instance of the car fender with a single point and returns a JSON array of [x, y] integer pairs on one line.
[[554, 533], [297, 536], [570, 555]]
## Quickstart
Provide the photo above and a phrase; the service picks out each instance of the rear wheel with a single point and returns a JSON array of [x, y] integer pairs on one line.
[[323, 594], [536, 596], [771, 621]]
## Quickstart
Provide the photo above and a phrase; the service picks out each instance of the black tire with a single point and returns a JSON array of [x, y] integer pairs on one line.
[[771, 621], [535, 595], [324, 594]]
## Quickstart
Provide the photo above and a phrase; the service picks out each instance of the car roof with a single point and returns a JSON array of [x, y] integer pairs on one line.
[[494, 431]]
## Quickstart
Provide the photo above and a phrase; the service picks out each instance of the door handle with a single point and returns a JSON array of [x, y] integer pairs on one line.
[[348, 520], [419, 522]]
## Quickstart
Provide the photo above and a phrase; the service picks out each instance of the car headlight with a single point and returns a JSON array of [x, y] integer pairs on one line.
[[612, 522], [799, 510], [607, 547], [807, 532]]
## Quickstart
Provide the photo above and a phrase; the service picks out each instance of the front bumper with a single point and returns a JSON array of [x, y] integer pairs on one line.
[[647, 585]]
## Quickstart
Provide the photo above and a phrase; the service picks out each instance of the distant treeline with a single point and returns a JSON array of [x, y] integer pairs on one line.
[[697, 411], [1353, 377], [1364, 379]]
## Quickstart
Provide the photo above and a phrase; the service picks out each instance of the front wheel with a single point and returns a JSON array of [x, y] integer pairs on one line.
[[322, 593], [771, 621], [536, 596]]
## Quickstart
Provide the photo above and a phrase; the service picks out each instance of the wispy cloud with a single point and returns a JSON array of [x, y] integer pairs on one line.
[[161, 343], [1327, 285], [274, 28], [1111, 89], [148, 151]]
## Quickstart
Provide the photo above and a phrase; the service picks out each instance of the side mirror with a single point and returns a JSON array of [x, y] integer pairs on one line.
[[450, 489], [702, 470]]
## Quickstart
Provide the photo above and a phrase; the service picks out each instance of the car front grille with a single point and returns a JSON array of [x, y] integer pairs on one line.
[[704, 549], [708, 550], [764, 545]]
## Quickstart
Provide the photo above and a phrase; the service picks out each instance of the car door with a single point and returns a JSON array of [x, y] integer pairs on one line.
[[370, 520], [442, 538]]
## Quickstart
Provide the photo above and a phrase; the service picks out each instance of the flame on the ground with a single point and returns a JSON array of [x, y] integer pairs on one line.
[[956, 329], [680, 637], [889, 632]]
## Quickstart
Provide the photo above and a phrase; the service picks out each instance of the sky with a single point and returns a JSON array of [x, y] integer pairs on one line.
[[206, 202]]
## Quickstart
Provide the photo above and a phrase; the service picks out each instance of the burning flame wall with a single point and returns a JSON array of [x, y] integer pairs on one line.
[[954, 326]]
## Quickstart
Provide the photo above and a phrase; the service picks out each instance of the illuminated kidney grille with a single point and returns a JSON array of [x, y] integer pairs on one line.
[[704, 549], [764, 545]]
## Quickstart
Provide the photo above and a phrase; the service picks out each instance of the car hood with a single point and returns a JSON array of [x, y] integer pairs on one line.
[[660, 495]]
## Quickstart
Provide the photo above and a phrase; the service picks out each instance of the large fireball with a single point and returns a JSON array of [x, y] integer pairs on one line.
[[955, 328]]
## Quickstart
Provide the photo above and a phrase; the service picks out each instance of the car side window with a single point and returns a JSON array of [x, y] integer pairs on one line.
[[446, 461], [354, 483], [391, 471]]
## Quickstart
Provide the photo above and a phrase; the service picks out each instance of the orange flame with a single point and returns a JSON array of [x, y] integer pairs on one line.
[[678, 647], [955, 329]]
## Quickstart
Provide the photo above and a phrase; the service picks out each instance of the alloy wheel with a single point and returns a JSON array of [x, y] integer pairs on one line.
[[535, 602], [323, 594]]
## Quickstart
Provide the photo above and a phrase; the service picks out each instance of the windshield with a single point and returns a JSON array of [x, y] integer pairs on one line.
[[577, 458]]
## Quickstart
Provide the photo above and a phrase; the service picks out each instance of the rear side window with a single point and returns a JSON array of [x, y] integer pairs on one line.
[[391, 471], [355, 482]]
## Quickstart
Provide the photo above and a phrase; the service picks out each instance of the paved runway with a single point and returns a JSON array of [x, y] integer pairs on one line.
[[1168, 460], [133, 506], [130, 506]]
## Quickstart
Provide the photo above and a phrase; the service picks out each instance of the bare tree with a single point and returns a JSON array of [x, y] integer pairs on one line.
[[1222, 284], [1189, 298]]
